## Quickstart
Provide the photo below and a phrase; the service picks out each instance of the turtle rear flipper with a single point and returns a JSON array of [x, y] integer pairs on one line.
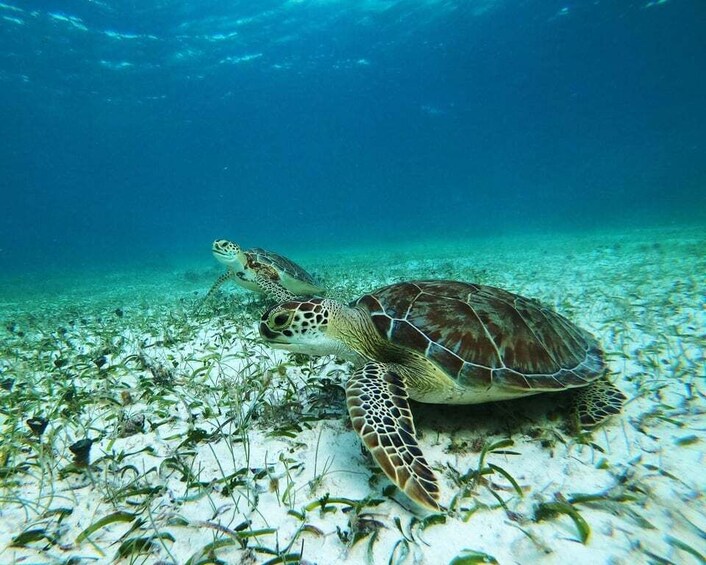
[[379, 409], [593, 404]]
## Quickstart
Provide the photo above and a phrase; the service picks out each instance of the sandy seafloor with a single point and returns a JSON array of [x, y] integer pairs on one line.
[[209, 447]]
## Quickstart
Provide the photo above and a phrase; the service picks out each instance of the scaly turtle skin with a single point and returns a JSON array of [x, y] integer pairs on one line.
[[442, 342], [262, 271]]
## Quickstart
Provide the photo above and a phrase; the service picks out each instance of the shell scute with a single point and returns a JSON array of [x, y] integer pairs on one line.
[[448, 361], [453, 324], [281, 264], [411, 336], [472, 374]]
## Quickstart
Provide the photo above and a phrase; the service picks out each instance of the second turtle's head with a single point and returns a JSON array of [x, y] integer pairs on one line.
[[302, 326], [226, 252]]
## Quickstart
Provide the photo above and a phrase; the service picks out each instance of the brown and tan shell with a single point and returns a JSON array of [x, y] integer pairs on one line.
[[485, 336], [279, 263]]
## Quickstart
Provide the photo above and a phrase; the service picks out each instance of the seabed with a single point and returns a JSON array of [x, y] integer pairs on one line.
[[138, 430]]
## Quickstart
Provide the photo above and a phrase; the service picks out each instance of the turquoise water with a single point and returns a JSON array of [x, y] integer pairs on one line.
[[138, 131]]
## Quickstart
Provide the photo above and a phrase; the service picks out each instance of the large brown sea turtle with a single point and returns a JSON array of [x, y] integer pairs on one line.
[[442, 342]]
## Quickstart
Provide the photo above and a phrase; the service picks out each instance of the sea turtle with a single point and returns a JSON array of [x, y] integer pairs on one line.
[[444, 342], [262, 271]]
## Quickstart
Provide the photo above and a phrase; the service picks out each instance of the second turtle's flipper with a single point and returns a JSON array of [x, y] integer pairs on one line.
[[379, 410], [214, 288], [596, 402]]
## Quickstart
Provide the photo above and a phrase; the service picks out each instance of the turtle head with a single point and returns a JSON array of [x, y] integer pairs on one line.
[[228, 253], [303, 326]]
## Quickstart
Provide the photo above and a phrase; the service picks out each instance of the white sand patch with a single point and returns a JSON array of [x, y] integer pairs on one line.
[[207, 444]]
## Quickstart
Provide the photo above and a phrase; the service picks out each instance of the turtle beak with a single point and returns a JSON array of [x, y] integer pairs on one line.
[[267, 333], [218, 247]]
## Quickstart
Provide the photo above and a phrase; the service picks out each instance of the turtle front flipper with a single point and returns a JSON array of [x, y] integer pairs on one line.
[[273, 289], [214, 288], [379, 409], [596, 402]]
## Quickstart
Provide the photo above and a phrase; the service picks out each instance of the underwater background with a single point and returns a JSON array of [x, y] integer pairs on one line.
[[137, 131], [556, 150]]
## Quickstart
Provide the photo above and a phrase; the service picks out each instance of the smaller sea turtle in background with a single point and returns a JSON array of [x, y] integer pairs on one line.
[[262, 271], [442, 342]]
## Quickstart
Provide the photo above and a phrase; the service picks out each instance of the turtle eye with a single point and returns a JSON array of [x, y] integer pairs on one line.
[[280, 320]]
